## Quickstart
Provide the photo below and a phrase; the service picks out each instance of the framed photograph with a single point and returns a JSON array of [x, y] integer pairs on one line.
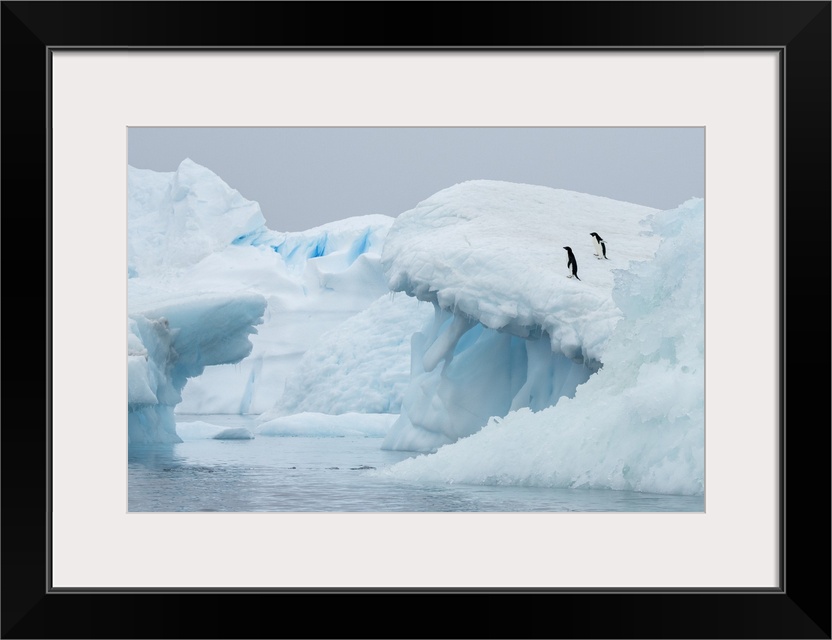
[[85, 81], [381, 339]]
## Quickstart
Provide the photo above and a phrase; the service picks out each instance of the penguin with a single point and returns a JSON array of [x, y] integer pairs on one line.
[[600, 246], [571, 263]]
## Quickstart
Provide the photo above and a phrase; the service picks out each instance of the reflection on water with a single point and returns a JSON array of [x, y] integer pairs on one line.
[[294, 474]]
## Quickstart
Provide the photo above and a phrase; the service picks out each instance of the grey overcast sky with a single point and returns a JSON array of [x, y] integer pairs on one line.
[[304, 177]]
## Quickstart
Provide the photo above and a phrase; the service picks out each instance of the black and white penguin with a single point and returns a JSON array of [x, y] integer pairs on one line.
[[571, 263], [600, 246]]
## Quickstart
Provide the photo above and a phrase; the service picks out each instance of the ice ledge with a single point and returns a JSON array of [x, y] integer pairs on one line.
[[170, 342]]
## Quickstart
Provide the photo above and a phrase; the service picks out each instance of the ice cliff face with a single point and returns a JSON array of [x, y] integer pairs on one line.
[[510, 330], [360, 366]]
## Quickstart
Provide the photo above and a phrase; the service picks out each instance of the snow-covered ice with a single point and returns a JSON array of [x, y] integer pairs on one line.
[[511, 329], [493, 252]]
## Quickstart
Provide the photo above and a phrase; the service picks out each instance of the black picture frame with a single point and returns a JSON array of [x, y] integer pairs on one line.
[[798, 608]]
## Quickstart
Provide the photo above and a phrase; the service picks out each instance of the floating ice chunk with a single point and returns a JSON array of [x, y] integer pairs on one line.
[[199, 430], [309, 424]]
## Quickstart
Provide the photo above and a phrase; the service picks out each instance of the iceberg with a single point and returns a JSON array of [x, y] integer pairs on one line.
[[189, 231], [511, 329], [635, 424], [193, 238]]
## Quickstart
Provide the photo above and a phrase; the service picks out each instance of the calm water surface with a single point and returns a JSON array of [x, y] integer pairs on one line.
[[294, 474]]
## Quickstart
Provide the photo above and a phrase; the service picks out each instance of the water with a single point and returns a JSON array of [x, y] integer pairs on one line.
[[298, 474]]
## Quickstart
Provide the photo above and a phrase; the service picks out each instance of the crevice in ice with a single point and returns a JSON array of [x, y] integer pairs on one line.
[[443, 347]]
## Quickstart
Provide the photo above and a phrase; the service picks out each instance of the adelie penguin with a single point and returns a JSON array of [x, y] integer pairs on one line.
[[571, 263], [600, 246]]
